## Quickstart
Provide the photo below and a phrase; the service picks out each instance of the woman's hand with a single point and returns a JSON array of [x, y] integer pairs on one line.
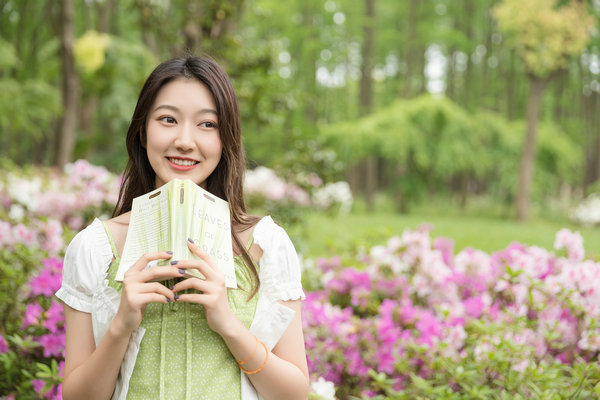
[[140, 287], [213, 294]]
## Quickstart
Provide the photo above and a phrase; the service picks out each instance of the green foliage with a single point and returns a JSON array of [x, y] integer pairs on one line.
[[432, 143], [496, 376], [16, 267], [114, 72], [544, 33]]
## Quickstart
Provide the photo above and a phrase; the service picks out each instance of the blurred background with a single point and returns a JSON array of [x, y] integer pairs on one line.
[[468, 114]]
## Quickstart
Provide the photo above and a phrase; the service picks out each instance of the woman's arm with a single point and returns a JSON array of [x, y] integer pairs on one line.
[[91, 372], [284, 375]]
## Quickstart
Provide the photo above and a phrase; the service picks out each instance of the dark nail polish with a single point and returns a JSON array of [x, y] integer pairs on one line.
[[169, 252], [191, 240], [181, 271], [176, 297], [174, 262], [168, 299], [171, 288]]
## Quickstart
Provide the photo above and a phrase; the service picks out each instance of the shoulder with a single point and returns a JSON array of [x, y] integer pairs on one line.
[[92, 239], [118, 227], [87, 257]]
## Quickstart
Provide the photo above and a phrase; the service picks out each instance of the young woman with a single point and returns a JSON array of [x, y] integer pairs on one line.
[[138, 339]]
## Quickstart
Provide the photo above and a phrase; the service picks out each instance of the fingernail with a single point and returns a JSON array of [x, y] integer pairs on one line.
[[176, 296], [169, 252], [171, 288], [174, 262], [191, 240], [168, 299], [181, 271]]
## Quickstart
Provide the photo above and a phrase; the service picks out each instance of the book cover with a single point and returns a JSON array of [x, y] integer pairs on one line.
[[166, 217]]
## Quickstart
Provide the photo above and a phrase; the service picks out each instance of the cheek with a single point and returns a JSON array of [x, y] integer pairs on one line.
[[216, 146]]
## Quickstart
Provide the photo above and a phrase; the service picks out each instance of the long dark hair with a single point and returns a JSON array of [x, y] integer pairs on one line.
[[226, 181]]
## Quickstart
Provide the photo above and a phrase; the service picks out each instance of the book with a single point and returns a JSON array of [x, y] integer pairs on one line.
[[165, 218]]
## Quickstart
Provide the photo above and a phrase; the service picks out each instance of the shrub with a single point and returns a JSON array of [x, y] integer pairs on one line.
[[411, 320]]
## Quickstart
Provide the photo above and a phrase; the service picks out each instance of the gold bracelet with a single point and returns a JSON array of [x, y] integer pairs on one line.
[[262, 366], [240, 363]]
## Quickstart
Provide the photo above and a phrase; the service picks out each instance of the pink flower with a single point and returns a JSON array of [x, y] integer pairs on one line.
[[3, 345], [474, 306], [55, 265], [53, 344], [38, 385], [48, 281], [24, 235], [54, 317], [5, 234], [446, 247], [572, 242], [33, 312]]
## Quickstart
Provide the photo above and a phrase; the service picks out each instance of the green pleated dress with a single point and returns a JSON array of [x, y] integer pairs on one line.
[[180, 357]]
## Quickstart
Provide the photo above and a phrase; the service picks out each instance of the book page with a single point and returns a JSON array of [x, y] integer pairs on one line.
[[211, 231], [164, 220], [148, 228]]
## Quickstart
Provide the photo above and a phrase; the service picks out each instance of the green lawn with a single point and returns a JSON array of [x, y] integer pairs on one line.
[[324, 236]]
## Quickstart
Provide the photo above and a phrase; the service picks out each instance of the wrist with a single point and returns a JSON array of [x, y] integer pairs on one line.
[[118, 330], [232, 330]]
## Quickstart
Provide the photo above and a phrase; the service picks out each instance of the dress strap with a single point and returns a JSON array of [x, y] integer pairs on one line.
[[110, 239]]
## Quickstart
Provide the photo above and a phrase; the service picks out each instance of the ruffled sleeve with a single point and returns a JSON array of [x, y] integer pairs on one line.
[[86, 260], [280, 273]]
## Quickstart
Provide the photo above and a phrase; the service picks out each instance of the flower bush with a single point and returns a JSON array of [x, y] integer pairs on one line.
[[588, 211], [287, 200], [40, 209], [412, 320], [32, 359]]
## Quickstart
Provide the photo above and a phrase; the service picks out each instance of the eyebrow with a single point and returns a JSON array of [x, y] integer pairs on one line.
[[173, 108]]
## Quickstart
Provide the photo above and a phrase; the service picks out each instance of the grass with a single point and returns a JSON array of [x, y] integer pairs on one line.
[[324, 236]]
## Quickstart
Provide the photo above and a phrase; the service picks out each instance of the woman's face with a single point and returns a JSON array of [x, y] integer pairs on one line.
[[182, 133]]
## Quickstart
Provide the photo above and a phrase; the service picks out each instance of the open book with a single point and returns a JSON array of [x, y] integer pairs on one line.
[[165, 218]]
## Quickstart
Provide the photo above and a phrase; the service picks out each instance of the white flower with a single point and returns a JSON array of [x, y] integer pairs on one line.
[[588, 212], [334, 193], [324, 388], [16, 213]]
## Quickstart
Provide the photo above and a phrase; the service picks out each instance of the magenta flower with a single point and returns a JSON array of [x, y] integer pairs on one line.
[[54, 317], [46, 283], [53, 344], [474, 306], [3, 345], [33, 312], [38, 386]]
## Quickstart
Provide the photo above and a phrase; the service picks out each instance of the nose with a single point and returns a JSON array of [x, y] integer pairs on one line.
[[184, 140]]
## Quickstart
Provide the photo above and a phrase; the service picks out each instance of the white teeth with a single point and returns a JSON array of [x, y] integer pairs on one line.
[[185, 163]]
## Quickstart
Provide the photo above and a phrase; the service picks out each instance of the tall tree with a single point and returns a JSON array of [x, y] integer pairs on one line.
[[546, 35], [366, 95], [68, 126]]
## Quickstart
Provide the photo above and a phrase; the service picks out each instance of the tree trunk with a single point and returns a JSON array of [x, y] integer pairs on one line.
[[308, 61], [66, 137], [536, 90], [596, 97], [366, 96], [409, 54]]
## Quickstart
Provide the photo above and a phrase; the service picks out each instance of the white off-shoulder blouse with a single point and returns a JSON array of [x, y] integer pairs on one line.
[[85, 288]]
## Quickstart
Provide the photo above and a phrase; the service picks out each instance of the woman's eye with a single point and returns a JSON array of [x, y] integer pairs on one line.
[[168, 120], [208, 124]]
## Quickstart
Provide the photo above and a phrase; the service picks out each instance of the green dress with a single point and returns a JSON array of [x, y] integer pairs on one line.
[[180, 357]]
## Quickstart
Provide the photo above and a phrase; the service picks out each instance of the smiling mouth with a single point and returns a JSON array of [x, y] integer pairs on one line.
[[182, 162]]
